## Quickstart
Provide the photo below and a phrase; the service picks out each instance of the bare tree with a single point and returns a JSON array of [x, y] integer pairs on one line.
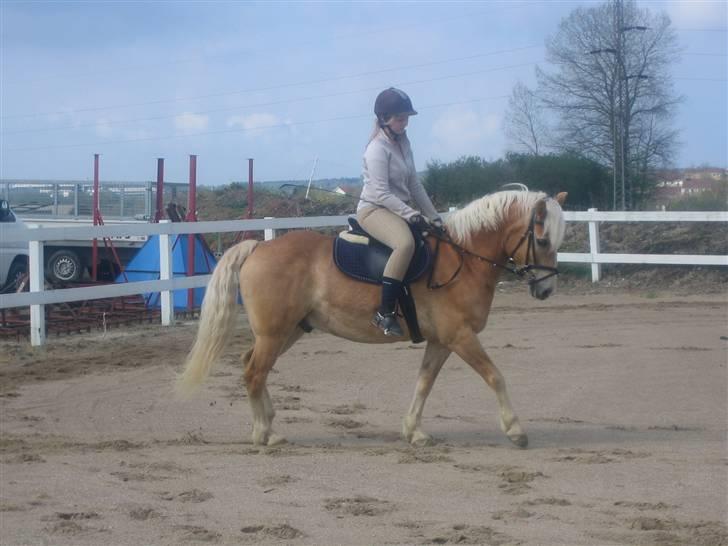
[[525, 124], [612, 92]]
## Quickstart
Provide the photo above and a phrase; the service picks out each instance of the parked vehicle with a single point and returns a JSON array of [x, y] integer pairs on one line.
[[66, 262]]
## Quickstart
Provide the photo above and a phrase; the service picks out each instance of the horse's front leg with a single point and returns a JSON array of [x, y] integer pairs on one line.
[[471, 351], [435, 357]]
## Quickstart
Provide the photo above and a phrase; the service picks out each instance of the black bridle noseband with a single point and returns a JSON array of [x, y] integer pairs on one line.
[[510, 264]]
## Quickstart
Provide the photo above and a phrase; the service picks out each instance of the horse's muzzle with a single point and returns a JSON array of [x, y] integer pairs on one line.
[[541, 292]]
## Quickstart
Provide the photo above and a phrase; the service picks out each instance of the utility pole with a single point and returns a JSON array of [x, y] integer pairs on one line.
[[625, 104], [620, 112], [614, 114]]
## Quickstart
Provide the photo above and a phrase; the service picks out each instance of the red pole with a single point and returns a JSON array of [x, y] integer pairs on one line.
[[191, 217], [97, 217], [250, 188], [159, 214]]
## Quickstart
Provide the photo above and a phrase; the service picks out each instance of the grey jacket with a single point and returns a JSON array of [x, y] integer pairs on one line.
[[390, 179]]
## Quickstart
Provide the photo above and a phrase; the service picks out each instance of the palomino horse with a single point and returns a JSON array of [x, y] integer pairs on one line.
[[291, 283]]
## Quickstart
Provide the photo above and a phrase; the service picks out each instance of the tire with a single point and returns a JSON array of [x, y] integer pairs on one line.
[[64, 266], [17, 277]]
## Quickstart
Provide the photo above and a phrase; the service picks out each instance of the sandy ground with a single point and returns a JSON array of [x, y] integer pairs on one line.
[[623, 396]]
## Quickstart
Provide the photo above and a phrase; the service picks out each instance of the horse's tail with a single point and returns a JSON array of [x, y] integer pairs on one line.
[[217, 317]]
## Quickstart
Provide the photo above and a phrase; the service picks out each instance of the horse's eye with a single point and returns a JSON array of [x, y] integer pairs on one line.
[[542, 242]]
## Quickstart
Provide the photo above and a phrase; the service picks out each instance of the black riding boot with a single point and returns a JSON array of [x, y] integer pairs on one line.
[[386, 317]]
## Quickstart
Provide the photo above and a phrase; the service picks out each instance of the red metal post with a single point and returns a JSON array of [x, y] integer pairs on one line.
[[250, 188], [191, 217], [97, 218], [159, 213]]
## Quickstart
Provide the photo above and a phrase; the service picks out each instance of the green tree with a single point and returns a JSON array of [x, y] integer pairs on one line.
[[468, 178]]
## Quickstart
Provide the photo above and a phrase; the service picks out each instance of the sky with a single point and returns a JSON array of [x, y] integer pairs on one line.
[[292, 84]]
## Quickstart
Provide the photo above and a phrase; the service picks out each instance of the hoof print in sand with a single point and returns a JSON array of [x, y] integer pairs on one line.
[[347, 409], [69, 523], [516, 481], [280, 532], [195, 495], [196, 533], [346, 424], [358, 506], [602, 456], [420, 456], [472, 534]]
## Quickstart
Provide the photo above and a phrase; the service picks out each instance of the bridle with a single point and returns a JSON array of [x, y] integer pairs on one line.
[[510, 265]]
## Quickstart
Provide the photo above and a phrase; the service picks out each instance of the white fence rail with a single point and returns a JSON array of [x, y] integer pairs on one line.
[[38, 296]]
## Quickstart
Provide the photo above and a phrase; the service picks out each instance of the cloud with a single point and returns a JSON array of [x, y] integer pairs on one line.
[[463, 131], [190, 122], [254, 121]]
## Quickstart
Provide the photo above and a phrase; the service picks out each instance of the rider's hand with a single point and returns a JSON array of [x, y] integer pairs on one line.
[[420, 222], [437, 222]]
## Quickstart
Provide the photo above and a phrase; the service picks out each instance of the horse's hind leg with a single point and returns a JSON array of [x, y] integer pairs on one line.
[[262, 357], [258, 362], [471, 351], [435, 357]]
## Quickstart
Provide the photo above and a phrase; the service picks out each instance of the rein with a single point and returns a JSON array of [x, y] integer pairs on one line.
[[509, 265]]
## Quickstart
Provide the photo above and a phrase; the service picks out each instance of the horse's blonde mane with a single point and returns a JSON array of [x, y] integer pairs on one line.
[[490, 211]]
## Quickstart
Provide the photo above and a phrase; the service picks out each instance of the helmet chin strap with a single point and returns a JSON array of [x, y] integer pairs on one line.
[[388, 130]]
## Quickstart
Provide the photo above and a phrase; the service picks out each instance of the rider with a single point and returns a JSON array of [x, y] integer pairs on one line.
[[390, 184]]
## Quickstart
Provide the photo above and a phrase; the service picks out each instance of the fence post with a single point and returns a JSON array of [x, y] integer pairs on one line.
[[55, 199], [37, 281], [269, 233], [165, 273], [596, 268], [148, 203], [76, 192]]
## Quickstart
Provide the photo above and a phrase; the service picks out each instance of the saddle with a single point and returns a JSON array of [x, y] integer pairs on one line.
[[360, 256]]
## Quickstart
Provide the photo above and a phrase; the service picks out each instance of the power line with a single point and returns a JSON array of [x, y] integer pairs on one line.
[[336, 36], [279, 86], [702, 29], [707, 54], [243, 130], [703, 79], [272, 103]]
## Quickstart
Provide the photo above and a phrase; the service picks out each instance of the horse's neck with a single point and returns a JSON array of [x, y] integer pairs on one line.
[[490, 244]]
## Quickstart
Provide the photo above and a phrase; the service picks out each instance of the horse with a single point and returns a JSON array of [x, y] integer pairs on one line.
[[291, 284]]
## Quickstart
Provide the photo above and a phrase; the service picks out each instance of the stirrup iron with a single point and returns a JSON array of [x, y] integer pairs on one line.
[[388, 323]]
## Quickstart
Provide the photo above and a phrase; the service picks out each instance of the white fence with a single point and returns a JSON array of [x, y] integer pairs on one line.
[[38, 296]]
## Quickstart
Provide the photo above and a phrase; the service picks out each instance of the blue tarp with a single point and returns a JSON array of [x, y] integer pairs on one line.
[[145, 267]]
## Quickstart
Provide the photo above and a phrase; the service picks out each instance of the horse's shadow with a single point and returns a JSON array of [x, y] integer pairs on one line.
[[542, 436]]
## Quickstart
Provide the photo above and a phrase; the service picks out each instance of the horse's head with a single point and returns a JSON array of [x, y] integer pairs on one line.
[[533, 243]]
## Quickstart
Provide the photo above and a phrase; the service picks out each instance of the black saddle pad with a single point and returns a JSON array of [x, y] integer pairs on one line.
[[366, 262]]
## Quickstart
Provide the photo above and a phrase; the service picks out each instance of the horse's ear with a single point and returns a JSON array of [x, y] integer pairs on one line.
[[561, 198]]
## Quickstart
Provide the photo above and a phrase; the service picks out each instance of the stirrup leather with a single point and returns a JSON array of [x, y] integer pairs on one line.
[[388, 323]]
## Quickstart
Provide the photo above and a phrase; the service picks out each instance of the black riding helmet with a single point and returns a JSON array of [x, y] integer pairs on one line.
[[392, 102]]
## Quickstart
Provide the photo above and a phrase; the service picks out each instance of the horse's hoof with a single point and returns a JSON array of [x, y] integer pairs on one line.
[[421, 439], [276, 440], [520, 440]]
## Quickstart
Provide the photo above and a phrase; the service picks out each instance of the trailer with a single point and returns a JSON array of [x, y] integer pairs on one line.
[[66, 262]]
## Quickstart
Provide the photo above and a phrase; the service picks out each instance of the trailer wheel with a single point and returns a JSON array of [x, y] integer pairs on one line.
[[64, 266], [17, 280]]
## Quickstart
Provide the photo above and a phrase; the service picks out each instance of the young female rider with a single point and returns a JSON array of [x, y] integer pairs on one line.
[[390, 188]]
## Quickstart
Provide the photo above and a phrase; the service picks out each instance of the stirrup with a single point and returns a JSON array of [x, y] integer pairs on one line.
[[388, 324]]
